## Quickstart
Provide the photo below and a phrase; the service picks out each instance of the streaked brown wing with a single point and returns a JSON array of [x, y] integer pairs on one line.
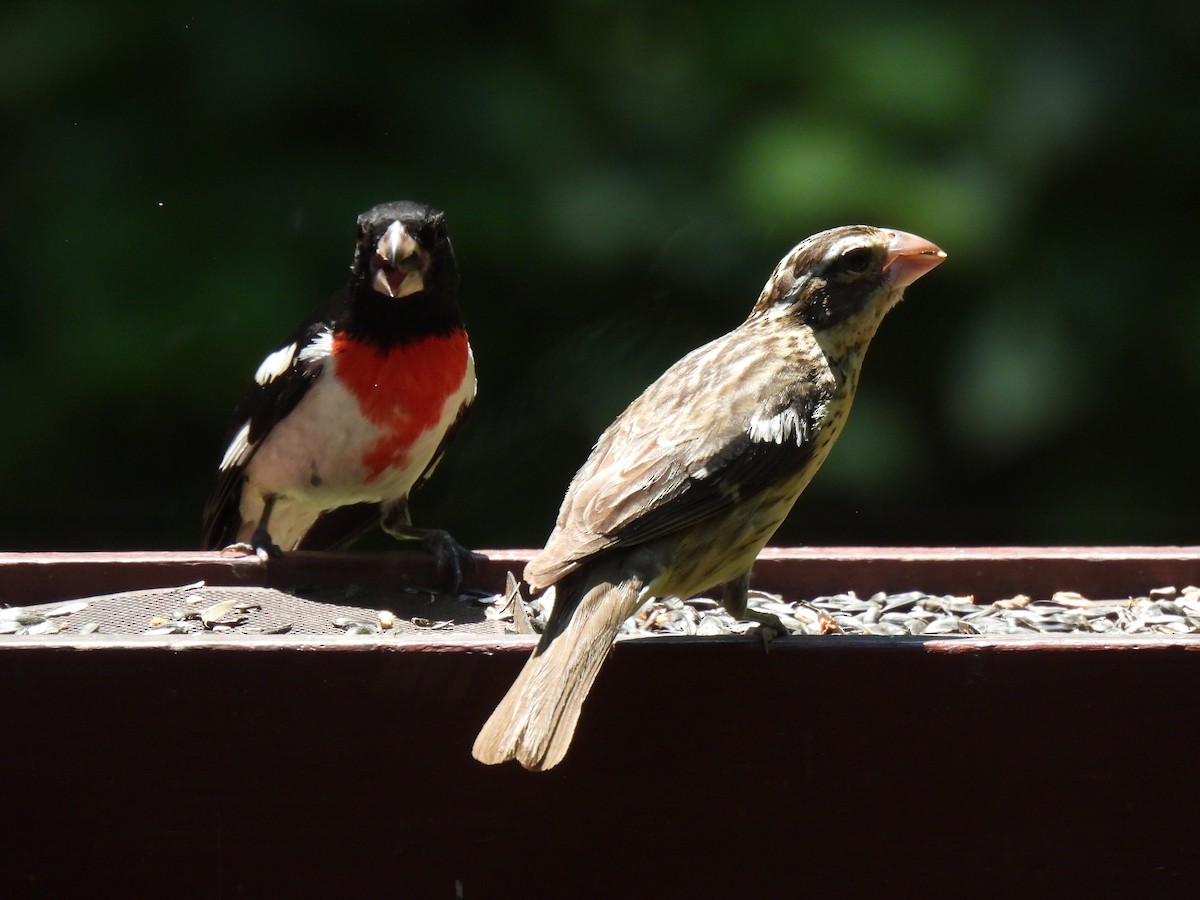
[[683, 452]]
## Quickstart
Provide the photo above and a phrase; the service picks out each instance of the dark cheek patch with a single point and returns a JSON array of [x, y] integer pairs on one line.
[[840, 305]]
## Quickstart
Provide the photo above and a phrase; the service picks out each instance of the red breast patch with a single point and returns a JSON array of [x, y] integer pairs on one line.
[[402, 390]]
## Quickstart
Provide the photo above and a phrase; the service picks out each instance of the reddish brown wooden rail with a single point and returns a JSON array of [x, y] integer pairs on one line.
[[817, 767], [988, 573]]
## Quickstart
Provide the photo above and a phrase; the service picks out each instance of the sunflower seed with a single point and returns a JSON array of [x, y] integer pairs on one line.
[[66, 609], [211, 615]]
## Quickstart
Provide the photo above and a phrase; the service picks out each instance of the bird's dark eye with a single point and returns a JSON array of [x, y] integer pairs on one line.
[[853, 262]]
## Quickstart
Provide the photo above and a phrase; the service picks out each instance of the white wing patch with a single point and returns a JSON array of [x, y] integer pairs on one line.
[[238, 448], [319, 347], [779, 429], [275, 365]]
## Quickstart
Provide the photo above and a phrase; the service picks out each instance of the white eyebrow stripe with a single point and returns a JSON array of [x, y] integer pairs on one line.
[[844, 244]]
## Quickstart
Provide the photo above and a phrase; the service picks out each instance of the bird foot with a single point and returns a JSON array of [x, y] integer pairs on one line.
[[770, 626], [242, 549], [449, 556], [260, 545]]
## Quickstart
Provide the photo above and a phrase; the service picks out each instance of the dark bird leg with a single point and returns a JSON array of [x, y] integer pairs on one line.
[[260, 544], [734, 594], [734, 598], [448, 554], [261, 541]]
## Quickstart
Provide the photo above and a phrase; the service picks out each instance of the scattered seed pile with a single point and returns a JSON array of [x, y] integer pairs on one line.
[[197, 609], [1166, 610], [203, 610]]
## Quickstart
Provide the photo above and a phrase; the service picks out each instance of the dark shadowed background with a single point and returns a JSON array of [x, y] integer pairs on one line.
[[181, 183]]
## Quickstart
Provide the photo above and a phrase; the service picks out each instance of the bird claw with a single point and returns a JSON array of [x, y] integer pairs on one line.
[[264, 551], [450, 554], [264, 547], [770, 626]]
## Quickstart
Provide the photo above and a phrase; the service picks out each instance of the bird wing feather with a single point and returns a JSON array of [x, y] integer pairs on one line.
[[263, 406], [673, 459]]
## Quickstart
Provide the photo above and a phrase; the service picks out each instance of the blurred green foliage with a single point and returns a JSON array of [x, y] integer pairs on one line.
[[181, 182]]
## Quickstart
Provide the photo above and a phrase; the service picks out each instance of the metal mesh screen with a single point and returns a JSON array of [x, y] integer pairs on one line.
[[227, 611]]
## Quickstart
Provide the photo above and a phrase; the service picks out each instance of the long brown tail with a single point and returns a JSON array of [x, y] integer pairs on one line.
[[536, 719]]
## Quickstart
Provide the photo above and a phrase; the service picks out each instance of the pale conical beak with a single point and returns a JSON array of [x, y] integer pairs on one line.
[[909, 257], [396, 263]]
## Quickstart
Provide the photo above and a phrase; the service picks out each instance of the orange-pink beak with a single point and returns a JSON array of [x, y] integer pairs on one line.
[[909, 257]]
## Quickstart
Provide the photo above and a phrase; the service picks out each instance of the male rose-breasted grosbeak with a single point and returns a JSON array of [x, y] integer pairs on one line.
[[688, 484], [356, 407]]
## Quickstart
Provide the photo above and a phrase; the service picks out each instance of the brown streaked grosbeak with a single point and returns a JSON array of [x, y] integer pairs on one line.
[[688, 484]]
